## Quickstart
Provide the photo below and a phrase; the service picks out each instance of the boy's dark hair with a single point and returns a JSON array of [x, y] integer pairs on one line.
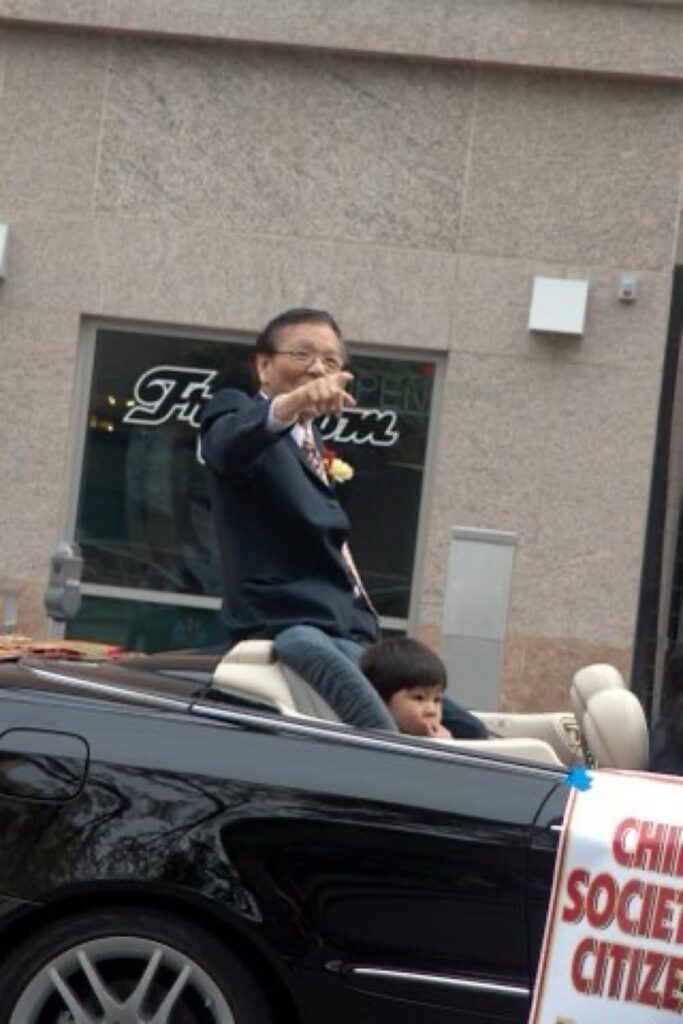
[[399, 663], [265, 343]]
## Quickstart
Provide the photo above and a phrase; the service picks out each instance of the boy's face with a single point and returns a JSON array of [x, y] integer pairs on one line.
[[417, 709]]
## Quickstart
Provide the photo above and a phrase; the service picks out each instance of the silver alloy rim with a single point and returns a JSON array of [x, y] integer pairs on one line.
[[123, 979]]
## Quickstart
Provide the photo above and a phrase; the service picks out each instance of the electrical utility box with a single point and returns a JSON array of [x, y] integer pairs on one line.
[[478, 583]]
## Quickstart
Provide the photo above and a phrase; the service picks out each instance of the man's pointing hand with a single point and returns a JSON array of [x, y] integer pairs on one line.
[[320, 397]]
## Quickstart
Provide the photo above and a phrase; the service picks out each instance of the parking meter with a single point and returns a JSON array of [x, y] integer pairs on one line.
[[63, 594], [10, 612]]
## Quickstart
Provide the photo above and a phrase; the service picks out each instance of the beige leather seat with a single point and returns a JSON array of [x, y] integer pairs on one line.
[[557, 728], [612, 723], [250, 668], [562, 730], [615, 730], [589, 681]]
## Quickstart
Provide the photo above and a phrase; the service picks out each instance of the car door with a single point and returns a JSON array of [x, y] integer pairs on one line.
[[401, 867], [41, 770], [545, 839]]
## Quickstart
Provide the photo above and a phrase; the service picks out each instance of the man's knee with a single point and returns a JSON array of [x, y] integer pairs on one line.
[[294, 636]]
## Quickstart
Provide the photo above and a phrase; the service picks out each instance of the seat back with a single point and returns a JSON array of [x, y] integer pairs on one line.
[[589, 681], [615, 730], [558, 728], [250, 668]]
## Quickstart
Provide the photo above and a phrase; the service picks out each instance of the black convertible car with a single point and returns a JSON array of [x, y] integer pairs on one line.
[[192, 842]]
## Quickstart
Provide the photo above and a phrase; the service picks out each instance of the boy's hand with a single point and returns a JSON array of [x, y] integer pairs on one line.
[[442, 731]]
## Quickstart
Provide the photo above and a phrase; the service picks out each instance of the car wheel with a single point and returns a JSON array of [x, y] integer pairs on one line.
[[127, 967]]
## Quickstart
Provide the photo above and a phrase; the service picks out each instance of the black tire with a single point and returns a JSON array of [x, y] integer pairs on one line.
[[119, 943]]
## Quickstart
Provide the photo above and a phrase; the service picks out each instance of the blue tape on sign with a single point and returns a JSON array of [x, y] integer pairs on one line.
[[579, 778]]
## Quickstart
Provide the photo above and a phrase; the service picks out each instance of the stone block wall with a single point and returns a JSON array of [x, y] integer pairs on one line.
[[191, 164]]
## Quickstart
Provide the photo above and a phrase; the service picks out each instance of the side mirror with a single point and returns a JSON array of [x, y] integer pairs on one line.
[[63, 593]]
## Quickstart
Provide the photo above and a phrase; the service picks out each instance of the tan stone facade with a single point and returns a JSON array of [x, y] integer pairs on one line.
[[412, 167]]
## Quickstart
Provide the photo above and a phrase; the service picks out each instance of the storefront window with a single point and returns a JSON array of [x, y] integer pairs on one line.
[[143, 519], [137, 625]]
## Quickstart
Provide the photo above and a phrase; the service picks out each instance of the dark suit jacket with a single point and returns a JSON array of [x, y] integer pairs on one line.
[[279, 527]]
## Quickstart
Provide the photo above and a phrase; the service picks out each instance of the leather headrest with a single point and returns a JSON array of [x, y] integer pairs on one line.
[[591, 680], [615, 730]]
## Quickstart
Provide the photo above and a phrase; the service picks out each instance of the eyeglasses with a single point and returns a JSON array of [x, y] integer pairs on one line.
[[304, 358]]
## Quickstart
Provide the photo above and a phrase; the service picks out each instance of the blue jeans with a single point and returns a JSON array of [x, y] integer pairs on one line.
[[330, 665]]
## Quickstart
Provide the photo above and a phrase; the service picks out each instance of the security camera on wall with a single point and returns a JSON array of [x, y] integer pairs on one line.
[[627, 288]]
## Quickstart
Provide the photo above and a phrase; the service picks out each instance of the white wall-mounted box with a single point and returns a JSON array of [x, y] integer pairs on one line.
[[558, 305], [478, 584]]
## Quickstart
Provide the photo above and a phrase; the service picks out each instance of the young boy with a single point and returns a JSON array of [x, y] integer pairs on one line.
[[411, 680]]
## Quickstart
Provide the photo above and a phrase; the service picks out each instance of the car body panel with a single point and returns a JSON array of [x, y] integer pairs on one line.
[[376, 874]]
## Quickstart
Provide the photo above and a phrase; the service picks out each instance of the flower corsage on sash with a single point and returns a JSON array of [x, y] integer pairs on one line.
[[338, 471]]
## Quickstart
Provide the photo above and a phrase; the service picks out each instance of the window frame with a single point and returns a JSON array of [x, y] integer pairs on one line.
[[78, 426]]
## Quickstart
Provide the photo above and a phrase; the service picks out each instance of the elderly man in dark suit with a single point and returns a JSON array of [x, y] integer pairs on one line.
[[288, 572], [283, 536]]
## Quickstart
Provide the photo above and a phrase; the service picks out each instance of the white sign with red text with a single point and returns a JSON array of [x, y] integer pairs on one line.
[[613, 948]]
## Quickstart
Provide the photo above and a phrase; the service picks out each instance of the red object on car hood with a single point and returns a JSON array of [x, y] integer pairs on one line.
[[13, 646]]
